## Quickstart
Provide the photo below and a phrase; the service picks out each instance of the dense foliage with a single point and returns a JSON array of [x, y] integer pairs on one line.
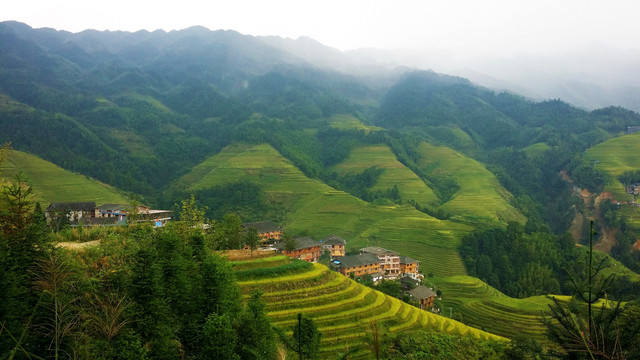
[[517, 263], [142, 293]]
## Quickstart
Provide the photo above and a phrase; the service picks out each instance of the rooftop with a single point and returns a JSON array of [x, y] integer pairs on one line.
[[407, 260], [334, 240], [262, 226], [74, 206], [355, 260], [421, 292], [301, 243], [377, 250]]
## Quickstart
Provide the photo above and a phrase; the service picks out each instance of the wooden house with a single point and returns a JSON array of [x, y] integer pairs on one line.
[[267, 230], [390, 261], [335, 245], [305, 249], [424, 296], [358, 265], [74, 211], [409, 267]]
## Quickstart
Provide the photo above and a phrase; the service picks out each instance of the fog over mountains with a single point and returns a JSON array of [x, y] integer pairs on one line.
[[591, 77]]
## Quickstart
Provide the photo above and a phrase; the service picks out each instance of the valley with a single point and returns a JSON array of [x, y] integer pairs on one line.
[[466, 180]]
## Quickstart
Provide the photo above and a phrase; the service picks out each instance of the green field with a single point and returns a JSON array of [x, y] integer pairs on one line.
[[613, 157], [395, 173], [350, 122], [536, 149], [342, 309], [480, 305], [53, 184], [322, 210], [481, 198]]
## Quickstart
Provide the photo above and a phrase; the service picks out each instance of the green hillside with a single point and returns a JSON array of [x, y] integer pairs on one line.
[[480, 197], [54, 184], [613, 157], [350, 122], [395, 173], [322, 210], [475, 303], [342, 309]]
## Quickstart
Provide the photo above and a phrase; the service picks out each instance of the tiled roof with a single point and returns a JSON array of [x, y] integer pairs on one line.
[[377, 250], [262, 226], [301, 243], [355, 260], [334, 240], [407, 260], [421, 292], [114, 206], [75, 206]]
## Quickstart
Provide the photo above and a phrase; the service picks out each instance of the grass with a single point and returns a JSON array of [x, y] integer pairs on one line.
[[395, 173], [344, 310], [321, 210], [482, 306], [536, 149], [480, 197], [53, 184], [614, 157], [350, 122]]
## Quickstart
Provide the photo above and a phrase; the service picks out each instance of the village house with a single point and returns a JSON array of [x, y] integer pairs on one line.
[[73, 211], [267, 231], [88, 214], [118, 210], [305, 249], [409, 267], [334, 245], [424, 296], [358, 265], [390, 261]]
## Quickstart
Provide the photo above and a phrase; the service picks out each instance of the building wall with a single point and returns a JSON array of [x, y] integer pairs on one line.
[[360, 270], [311, 254], [426, 303], [409, 268], [337, 250]]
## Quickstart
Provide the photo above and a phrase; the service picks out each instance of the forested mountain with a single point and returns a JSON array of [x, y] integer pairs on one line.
[[139, 110], [464, 179]]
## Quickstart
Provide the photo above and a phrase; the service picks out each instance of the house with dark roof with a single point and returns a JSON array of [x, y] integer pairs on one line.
[[335, 245], [73, 211], [409, 267], [267, 230], [305, 249], [424, 296], [358, 265], [390, 260]]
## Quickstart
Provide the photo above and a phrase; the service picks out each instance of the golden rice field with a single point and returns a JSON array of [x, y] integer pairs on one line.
[[343, 310]]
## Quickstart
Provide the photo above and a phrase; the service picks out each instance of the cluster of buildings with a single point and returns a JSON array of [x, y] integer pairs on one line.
[[88, 214], [377, 262]]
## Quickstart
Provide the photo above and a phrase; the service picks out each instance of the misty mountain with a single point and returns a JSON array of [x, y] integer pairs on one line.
[[125, 107], [590, 78]]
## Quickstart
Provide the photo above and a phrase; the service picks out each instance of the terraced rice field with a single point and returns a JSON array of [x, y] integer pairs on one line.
[[54, 184], [410, 185], [480, 197], [350, 122], [342, 309], [614, 157], [322, 210], [484, 307]]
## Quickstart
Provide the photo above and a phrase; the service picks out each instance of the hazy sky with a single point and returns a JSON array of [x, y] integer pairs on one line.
[[498, 27]]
